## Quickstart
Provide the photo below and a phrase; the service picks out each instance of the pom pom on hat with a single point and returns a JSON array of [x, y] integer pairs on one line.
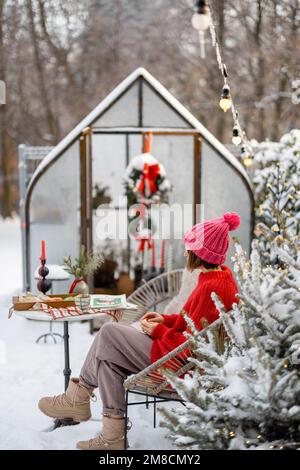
[[232, 219]]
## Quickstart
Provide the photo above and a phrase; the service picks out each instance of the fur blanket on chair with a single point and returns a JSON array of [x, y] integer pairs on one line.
[[188, 284]]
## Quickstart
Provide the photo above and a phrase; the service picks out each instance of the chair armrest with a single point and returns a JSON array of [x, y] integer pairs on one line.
[[172, 354]]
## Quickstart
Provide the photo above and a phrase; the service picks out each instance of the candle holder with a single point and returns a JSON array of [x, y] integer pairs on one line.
[[43, 284]]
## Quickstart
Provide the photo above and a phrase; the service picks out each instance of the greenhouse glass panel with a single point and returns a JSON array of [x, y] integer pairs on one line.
[[55, 213], [158, 113], [123, 112], [109, 163]]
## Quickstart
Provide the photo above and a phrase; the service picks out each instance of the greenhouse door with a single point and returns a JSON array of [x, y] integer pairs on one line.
[[86, 188], [178, 150]]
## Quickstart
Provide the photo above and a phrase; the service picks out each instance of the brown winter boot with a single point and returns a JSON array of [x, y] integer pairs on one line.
[[74, 403], [111, 437]]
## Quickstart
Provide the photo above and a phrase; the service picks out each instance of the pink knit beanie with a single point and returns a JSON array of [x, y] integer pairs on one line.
[[209, 240]]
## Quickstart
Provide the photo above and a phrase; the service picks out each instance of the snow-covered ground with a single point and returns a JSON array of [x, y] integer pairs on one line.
[[29, 371]]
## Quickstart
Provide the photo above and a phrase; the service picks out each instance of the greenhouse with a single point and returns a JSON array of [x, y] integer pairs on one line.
[[88, 166]]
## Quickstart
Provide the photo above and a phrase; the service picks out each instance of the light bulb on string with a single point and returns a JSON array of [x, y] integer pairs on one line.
[[201, 22], [236, 138], [201, 19], [225, 101], [246, 157]]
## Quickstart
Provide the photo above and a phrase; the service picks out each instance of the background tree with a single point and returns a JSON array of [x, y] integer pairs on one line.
[[60, 58]]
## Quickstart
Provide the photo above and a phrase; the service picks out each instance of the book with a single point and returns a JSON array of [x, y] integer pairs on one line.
[[108, 302]]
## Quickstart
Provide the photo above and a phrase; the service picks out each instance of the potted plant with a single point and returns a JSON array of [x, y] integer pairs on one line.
[[85, 265], [100, 195]]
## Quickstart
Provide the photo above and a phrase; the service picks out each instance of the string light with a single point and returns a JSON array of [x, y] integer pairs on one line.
[[275, 228], [236, 138], [222, 67], [225, 101], [200, 21], [246, 157]]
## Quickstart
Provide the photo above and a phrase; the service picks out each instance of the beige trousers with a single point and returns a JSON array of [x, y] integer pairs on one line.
[[116, 352]]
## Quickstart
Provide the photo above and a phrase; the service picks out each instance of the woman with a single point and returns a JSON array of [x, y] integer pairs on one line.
[[120, 350]]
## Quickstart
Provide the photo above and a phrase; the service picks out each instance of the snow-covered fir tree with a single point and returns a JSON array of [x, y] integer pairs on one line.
[[276, 181], [249, 395]]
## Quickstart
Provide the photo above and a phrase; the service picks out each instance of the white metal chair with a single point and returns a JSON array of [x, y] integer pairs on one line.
[[152, 382]]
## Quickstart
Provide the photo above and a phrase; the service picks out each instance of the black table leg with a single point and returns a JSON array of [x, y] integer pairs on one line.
[[67, 370], [67, 373]]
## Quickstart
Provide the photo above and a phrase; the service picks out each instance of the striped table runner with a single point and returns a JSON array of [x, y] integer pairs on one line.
[[74, 311]]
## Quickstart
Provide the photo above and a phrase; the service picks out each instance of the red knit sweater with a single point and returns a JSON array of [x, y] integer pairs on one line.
[[169, 334]]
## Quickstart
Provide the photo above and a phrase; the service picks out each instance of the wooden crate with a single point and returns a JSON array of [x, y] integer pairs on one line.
[[52, 303]]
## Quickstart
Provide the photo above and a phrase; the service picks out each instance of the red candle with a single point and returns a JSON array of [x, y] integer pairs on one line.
[[153, 255], [43, 255], [162, 258]]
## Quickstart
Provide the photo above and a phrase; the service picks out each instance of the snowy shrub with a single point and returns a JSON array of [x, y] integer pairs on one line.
[[249, 396], [276, 182]]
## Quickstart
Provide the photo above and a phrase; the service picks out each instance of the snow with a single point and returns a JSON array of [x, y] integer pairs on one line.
[[29, 371], [138, 162]]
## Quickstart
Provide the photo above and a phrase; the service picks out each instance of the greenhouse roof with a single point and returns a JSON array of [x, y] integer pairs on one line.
[[112, 97]]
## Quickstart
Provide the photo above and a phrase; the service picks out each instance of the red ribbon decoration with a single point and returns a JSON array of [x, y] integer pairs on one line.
[[149, 173], [74, 284], [142, 244]]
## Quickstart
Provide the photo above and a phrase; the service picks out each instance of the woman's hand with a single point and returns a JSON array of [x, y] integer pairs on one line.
[[149, 326], [153, 317]]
